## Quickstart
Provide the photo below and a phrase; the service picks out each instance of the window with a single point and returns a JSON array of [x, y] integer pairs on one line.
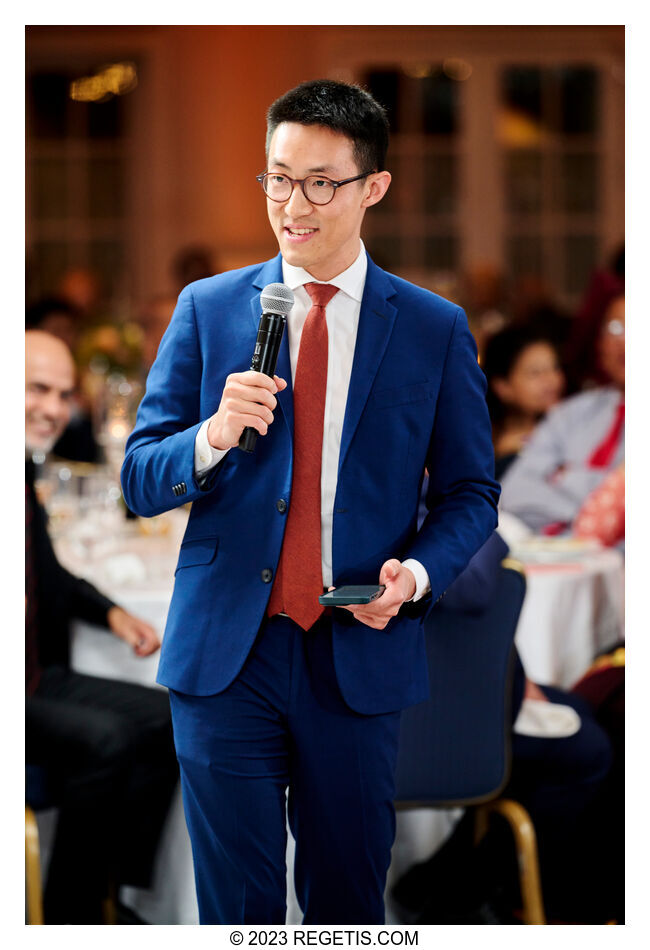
[[414, 228], [500, 161], [76, 184], [549, 135]]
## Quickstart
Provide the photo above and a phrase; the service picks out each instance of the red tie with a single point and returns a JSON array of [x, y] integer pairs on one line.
[[299, 577], [604, 453]]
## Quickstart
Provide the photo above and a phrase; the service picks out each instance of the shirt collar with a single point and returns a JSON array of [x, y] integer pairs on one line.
[[351, 281]]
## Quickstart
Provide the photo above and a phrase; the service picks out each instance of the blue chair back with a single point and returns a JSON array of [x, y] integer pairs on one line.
[[455, 747], [38, 791]]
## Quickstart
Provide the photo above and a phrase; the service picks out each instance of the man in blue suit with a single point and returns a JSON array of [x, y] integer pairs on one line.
[[269, 691]]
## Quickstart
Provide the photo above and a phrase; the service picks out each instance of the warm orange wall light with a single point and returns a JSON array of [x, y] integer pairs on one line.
[[114, 80]]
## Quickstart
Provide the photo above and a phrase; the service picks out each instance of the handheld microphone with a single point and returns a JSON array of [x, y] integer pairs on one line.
[[277, 301]]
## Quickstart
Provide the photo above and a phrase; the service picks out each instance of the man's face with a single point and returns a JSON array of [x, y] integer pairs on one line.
[[49, 387], [323, 239]]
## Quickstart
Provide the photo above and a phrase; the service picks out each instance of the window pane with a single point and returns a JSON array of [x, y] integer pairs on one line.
[[106, 119], [106, 188], [106, 260], [581, 258], [385, 250], [440, 185], [441, 252], [578, 96], [407, 186], [48, 100], [50, 192], [578, 183], [48, 263], [525, 255], [383, 84], [522, 91], [420, 99], [523, 181], [440, 104]]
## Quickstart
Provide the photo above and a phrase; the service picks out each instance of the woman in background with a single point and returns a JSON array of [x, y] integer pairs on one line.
[[524, 380]]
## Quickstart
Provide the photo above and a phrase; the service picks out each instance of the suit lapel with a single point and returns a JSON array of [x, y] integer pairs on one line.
[[271, 273], [376, 321]]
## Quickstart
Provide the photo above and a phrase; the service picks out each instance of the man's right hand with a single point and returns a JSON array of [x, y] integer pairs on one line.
[[248, 399]]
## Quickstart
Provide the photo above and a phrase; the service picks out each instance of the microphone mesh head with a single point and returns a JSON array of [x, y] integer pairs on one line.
[[277, 298]]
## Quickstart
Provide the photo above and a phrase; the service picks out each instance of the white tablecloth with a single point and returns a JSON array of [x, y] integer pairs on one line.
[[569, 613]]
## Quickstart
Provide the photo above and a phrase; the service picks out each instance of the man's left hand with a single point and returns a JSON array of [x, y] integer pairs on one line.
[[138, 634], [400, 587]]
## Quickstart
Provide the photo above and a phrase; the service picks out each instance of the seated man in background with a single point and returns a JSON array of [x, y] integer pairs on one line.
[[56, 316], [106, 745], [576, 446]]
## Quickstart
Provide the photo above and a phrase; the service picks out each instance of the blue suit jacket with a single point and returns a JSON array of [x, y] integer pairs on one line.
[[416, 399]]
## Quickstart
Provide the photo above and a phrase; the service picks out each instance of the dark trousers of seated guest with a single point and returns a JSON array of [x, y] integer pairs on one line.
[[559, 781], [109, 754]]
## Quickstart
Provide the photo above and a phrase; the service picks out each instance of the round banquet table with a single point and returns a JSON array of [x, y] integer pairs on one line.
[[573, 609], [570, 612]]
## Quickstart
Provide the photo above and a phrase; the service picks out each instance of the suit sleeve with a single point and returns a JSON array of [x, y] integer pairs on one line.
[[462, 496], [158, 470]]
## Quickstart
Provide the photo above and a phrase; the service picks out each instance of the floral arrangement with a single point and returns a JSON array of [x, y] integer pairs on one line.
[[110, 348]]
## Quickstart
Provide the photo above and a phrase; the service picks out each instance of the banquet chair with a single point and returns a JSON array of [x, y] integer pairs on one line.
[[39, 796], [455, 747]]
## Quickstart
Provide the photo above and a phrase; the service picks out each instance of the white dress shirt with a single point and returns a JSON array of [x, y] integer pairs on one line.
[[342, 316]]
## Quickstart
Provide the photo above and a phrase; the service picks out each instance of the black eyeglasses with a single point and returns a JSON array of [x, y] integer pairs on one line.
[[316, 189]]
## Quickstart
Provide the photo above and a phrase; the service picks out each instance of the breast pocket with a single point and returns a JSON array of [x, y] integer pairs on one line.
[[197, 551], [403, 395]]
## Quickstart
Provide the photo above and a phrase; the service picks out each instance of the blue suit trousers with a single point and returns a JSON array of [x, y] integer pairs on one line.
[[284, 724]]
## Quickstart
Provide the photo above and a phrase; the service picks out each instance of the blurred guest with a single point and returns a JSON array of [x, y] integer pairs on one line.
[[533, 304], [524, 380], [602, 516], [561, 758], [576, 446], [106, 745], [607, 283], [190, 264], [56, 316]]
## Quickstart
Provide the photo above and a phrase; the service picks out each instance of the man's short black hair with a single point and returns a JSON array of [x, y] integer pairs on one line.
[[338, 106]]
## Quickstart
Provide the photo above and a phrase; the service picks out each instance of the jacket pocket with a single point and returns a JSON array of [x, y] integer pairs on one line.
[[402, 395], [197, 551]]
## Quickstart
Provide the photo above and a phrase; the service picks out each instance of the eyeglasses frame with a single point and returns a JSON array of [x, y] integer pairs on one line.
[[301, 182]]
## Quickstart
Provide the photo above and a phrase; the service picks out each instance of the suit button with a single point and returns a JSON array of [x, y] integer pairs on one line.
[[267, 575], [281, 505]]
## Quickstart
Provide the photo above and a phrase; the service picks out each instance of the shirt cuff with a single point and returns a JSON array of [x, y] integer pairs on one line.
[[422, 584], [205, 456]]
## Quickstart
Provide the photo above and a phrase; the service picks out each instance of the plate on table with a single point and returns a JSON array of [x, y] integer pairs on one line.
[[540, 550]]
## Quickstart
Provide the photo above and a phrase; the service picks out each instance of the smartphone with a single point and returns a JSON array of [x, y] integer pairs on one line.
[[352, 594]]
